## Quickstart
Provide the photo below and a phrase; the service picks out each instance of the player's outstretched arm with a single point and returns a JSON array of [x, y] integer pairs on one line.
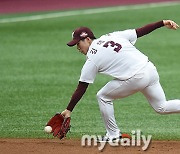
[[153, 26], [170, 24], [79, 92]]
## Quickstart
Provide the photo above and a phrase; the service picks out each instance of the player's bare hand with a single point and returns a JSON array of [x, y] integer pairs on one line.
[[66, 113], [170, 24]]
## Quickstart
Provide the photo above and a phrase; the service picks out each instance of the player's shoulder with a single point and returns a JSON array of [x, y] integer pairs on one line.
[[95, 48], [114, 34], [123, 32]]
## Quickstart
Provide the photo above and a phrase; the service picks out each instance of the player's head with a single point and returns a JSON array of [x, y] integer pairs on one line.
[[82, 37], [80, 34]]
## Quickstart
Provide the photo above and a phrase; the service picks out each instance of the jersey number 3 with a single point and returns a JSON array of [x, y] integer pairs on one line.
[[117, 46]]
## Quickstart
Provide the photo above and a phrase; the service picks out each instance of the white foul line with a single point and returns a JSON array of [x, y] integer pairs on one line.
[[87, 11]]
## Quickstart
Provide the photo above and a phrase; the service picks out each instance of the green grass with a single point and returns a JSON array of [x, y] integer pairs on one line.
[[38, 74]]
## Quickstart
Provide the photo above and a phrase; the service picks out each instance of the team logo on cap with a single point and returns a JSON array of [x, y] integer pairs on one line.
[[83, 34], [72, 34]]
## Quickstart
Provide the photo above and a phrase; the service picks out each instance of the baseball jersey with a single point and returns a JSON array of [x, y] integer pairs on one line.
[[113, 54]]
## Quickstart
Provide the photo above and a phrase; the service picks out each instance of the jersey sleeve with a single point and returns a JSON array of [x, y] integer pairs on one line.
[[88, 72], [149, 28], [129, 34]]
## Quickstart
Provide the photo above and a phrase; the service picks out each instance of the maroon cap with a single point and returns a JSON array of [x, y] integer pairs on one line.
[[80, 34]]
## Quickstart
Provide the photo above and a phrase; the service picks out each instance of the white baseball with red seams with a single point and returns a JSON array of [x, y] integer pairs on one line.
[[48, 129]]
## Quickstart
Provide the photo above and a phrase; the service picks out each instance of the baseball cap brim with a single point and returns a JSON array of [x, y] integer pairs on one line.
[[73, 42]]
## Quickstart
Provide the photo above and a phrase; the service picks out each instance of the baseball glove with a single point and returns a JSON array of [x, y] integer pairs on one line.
[[60, 125]]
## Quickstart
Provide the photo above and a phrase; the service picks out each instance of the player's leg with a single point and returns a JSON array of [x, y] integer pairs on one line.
[[113, 90], [156, 97], [155, 94]]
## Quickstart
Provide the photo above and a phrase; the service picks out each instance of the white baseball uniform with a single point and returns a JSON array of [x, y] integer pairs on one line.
[[114, 54]]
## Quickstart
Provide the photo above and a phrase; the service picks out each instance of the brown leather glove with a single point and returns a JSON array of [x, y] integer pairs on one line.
[[60, 125]]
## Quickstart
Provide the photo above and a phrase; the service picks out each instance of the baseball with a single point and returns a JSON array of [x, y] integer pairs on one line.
[[48, 129]]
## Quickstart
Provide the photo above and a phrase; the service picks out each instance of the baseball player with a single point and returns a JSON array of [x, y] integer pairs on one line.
[[114, 54]]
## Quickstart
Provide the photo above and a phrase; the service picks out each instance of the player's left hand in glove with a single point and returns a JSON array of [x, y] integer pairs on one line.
[[60, 125]]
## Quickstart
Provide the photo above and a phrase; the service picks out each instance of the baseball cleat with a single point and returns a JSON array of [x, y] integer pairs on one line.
[[102, 139], [123, 135], [108, 139]]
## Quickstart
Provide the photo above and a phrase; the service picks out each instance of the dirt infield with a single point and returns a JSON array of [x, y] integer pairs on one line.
[[38, 146]]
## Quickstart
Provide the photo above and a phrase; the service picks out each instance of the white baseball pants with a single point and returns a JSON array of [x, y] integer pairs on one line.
[[145, 81]]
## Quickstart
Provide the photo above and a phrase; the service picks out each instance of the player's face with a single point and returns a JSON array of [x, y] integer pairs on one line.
[[83, 45]]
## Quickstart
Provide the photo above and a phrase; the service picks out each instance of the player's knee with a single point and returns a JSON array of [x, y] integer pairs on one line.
[[102, 98], [99, 95], [161, 110]]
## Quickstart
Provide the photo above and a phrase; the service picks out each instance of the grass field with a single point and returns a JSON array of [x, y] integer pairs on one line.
[[38, 74]]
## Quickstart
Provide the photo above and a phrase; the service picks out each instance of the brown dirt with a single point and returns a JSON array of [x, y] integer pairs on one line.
[[72, 146]]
